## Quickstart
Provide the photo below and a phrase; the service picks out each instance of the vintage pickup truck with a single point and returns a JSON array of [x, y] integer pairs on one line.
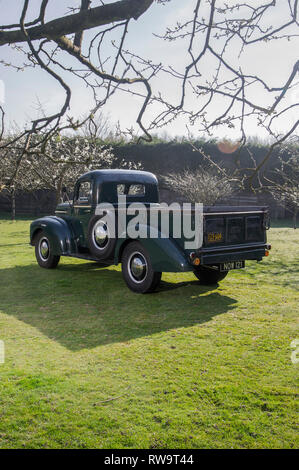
[[78, 229]]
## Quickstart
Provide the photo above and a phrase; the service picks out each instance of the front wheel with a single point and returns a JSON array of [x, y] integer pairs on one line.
[[43, 254], [209, 276], [137, 269]]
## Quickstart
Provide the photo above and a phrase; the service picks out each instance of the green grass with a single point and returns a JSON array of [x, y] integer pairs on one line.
[[90, 364]]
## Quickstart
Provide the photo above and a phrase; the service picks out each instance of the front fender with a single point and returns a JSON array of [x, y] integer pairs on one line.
[[165, 254], [57, 231]]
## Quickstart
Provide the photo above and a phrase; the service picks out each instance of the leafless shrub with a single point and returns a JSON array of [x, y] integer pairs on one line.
[[200, 185]]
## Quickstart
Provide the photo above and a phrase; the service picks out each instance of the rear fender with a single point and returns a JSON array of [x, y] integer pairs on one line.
[[165, 254], [57, 231]]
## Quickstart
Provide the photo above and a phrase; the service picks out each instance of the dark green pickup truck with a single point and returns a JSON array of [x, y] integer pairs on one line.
[[100, 224]]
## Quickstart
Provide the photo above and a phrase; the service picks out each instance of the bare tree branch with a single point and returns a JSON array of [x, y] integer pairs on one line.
[[227, 94], [85, 5], [85, 19]]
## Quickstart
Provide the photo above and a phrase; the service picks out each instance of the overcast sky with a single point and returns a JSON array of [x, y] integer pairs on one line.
[[22, 90]]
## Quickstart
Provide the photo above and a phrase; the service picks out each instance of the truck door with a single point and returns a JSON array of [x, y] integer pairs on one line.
[[82, 208]]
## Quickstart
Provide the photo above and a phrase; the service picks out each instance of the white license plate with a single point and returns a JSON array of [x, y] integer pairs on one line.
[[232, 265]]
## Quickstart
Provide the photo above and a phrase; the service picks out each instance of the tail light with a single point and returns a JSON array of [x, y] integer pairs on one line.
[[194, 259]]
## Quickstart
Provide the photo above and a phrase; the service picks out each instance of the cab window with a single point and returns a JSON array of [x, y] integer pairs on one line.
[[131, 189]]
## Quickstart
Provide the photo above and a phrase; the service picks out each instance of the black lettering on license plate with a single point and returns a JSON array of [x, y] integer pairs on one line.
[[232, 265]]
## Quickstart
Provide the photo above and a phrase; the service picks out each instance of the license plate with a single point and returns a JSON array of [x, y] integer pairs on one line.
[[232, 265]]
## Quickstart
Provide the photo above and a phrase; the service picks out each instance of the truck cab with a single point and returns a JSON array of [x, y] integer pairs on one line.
[[88, 227]]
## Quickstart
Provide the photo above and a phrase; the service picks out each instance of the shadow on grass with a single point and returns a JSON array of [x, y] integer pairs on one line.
[[85, 305]]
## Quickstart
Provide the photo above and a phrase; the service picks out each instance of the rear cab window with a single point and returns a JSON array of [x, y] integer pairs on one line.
[[134, 192], [131, 189]]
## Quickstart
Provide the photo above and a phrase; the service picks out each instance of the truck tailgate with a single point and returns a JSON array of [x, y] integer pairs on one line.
[[234, 233]]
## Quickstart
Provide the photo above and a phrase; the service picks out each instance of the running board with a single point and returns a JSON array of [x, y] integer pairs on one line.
[[88, 257]]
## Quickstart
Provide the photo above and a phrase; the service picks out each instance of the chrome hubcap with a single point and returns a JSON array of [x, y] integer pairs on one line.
[[100, 234], [44, 249], [137, 267]]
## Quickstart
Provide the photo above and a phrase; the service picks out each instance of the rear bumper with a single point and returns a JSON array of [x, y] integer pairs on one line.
[[233, 253]]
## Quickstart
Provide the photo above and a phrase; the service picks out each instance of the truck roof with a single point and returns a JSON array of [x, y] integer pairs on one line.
[[122, 176]]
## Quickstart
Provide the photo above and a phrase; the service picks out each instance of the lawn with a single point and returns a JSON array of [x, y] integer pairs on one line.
[[91, 364]]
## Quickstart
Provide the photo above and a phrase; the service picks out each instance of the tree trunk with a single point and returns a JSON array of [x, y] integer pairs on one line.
[[58, 193], [295, 218], [13, 205]]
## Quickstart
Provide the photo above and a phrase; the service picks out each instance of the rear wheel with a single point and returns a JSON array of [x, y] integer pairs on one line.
[[208, 276], [137, 269], [43, 252]]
